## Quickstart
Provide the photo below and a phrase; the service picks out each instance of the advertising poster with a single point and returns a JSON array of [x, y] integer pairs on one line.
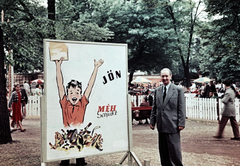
[[85, 99]]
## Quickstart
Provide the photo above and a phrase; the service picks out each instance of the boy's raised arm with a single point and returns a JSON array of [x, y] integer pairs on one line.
[[61, 90], [91, 82]]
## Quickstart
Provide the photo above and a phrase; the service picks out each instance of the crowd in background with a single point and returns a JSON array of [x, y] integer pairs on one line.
[[211, 90], [201, 90], [17, 101]]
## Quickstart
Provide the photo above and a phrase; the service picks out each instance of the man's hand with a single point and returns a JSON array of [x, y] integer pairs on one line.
[[180, 128], [98, 63], [152, 127]]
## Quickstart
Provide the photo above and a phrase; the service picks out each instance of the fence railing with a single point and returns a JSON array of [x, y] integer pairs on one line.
[[202, 108], [33, 106], [207, 108], [199, 108]]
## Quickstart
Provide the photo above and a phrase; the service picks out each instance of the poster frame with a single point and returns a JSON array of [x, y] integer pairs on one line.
[[129, 153]]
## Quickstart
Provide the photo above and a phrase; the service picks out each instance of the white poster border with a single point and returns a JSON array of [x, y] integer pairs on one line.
[[129, 152]]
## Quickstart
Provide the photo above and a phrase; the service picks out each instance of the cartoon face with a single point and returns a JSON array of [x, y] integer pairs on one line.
[[74, 95]]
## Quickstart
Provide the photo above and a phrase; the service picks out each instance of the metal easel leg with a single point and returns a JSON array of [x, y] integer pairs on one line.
[[130, 154]]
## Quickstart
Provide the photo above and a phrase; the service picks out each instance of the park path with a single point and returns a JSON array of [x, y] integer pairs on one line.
[[198, 146]]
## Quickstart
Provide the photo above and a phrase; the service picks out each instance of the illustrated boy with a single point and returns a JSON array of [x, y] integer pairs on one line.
[[72, 101]]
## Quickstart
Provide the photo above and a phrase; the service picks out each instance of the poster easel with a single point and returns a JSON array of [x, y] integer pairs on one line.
[[130, 154], [115, 57]]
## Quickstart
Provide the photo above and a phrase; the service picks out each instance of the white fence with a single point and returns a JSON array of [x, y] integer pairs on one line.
[[205, 108], [33, 106], [137, 100], [199, 108]]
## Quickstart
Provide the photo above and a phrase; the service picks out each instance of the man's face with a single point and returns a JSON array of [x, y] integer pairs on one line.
[[74, 95], [166, 77]]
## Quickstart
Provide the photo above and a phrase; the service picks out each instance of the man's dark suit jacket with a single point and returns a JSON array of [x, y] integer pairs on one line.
[[24, 96]]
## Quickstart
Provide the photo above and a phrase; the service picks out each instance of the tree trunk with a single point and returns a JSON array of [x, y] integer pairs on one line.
[[187, 75], [51, 16], [5, 134]]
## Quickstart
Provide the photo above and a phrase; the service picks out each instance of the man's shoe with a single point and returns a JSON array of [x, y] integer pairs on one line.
[[235, 138], [217, 136]]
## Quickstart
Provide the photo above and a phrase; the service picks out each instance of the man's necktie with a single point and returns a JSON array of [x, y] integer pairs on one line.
[[164, 94]]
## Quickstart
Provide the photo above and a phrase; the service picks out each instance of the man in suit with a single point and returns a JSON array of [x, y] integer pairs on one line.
[[206, 91], [169, 113], [228, 112], [24, 101]]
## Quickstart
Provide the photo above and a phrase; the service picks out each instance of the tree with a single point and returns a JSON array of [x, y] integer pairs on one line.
[[18, 32], [139, 24], [80, 20], [5, 135], [221, 40], [181, 30], [51, 16], [24, 30]]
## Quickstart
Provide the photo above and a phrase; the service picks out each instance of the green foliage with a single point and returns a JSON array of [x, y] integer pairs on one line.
[[182, 21], [24, 29], [81, 20], [26, 25], [140, 26], [158, 33], [221, 40]]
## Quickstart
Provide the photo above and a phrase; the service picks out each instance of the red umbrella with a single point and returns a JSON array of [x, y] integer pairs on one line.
[[38, 81]]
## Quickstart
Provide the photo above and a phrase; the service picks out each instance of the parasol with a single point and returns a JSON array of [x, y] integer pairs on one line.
[[202, 80], [141, 80]]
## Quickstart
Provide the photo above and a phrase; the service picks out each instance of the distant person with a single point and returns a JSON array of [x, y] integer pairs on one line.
[[38, 90], [215, 95], [149, 97], [198, 95], [27, 88], [222, 88], [238, 94], [212, 87], [218, 86], [142, 104], [193, 87], [206, 91], [169, 114], [210, 95], [24, 101], [228, 112], [15, 105]]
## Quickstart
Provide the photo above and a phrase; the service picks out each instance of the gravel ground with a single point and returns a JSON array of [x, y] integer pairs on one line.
[[199, 148]]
